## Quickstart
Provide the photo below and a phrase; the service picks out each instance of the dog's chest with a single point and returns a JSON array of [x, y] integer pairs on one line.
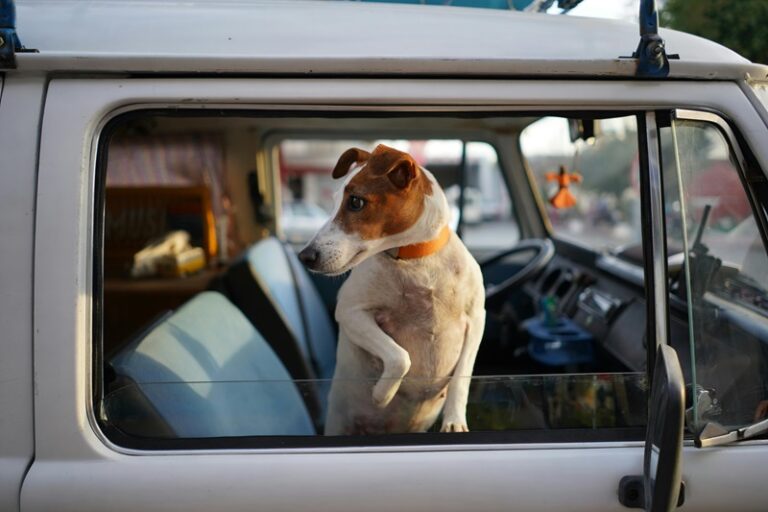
[[424, 312], [421, 299]]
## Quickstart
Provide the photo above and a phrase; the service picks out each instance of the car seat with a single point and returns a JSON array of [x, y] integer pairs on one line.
[[274, 291], [206, 372]]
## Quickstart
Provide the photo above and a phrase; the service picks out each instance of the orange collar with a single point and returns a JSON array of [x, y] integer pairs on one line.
[[409, 252]]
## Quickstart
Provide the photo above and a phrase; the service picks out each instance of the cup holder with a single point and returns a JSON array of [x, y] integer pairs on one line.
[[559, 342]]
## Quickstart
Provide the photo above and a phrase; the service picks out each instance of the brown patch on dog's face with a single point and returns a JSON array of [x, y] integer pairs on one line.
[[392, 189]]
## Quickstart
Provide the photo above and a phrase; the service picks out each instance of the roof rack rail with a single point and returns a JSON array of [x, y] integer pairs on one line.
[[544, 5], [512, 5]]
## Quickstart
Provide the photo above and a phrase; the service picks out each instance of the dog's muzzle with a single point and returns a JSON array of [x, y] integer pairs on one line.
[[309, 256]]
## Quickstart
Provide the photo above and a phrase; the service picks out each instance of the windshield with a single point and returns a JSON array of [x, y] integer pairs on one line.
[[600, 161]]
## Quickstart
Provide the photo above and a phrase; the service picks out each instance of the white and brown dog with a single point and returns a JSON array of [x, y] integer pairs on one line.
[[413, 305]]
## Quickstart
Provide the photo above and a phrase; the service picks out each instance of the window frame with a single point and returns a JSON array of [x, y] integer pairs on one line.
[[654, 236], [513, 437]]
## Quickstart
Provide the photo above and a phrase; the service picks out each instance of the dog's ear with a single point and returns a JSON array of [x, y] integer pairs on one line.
[[402, 173], [399, 167], [347, 159]]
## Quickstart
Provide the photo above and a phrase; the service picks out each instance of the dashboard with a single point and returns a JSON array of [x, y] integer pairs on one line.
[[603, 302]]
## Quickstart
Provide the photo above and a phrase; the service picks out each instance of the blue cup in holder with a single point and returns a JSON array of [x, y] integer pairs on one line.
[[557, 340]]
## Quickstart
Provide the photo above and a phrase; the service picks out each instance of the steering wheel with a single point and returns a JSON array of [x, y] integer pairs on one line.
[[543, 249]]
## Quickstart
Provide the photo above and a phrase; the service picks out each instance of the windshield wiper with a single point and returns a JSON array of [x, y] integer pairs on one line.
[[714, 434]]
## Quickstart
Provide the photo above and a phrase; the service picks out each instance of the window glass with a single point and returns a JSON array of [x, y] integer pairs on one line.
[[487, 220], [496, 404], [603, 154], [723, 276], [211, 328]]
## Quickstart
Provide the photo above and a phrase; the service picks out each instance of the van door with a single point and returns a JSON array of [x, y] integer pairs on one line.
[[79, 467]]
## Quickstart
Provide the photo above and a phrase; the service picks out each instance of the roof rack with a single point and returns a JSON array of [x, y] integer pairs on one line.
[[544, 5], [651, 55], [512, 5]]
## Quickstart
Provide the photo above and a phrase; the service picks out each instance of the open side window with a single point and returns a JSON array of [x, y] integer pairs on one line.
[[224, 341]]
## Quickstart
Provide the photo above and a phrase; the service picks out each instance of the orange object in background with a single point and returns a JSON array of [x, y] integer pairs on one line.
[[563, 198]]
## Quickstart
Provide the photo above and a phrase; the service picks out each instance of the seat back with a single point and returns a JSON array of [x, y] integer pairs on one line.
[[269, 266], [208, 373], [294, 294], [319, 330]]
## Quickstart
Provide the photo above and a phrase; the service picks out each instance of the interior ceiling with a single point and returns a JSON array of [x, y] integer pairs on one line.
[[332, 125]]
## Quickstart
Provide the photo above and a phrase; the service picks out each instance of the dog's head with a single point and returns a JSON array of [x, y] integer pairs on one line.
[[387, 201]]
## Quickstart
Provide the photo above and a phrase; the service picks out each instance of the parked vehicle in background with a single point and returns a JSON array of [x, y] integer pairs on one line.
[[300, 220]]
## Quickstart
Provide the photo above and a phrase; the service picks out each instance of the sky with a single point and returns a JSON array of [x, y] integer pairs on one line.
[[614, 9]]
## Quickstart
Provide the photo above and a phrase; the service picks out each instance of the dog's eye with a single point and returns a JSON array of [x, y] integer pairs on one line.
[[355, 204]]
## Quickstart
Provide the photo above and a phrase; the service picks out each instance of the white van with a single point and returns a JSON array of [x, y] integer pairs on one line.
[[625, 357]]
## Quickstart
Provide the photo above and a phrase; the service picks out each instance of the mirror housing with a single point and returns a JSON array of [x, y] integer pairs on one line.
[[583, 129], [664, 438], [660, 489]]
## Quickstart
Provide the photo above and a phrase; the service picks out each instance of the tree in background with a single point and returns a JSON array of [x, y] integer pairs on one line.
[[741, 25]]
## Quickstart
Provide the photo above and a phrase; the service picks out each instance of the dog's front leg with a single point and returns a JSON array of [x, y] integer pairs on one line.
[[361, 329], [455, 408]]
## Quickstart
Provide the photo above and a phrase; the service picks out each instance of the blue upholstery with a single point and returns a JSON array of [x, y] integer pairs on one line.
[[321, 334], [209, 373], [299, 302], [270, 267]]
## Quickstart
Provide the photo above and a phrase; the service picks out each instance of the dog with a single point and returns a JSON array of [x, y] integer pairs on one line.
[[412, 306]]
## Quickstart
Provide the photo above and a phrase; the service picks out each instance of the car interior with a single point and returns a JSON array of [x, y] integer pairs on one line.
[[210, 328]]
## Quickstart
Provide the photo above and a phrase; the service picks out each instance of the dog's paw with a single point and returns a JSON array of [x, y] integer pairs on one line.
[[394, 371], [384, 391], [454, 420], [458, 426]]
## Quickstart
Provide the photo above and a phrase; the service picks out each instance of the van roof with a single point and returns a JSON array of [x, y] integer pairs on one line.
[[304, 37]]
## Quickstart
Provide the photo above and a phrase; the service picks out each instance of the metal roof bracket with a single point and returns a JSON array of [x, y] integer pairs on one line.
[[651, 55], [9, 41]]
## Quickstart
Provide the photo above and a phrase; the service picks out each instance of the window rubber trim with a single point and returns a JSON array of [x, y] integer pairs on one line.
[[428, 439], [654, 235], [425, 439]]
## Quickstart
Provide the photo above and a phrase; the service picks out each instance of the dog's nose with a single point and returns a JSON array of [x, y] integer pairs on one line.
[[308, 256]]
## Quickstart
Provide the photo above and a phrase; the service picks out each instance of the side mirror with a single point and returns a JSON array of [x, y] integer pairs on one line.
[[660, 488]]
